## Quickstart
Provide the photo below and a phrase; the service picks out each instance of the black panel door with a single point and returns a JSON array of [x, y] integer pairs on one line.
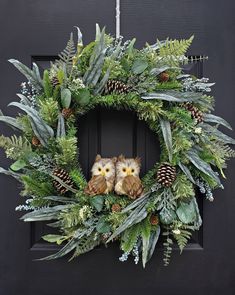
[[36, 31]]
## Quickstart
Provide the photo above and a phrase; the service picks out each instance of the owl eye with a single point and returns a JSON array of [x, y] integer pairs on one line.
[[107, 169], [124, 169], [99, 169], [132, 170]]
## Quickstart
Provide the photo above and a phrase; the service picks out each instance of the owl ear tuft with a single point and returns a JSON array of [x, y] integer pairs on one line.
[[138, 160], [121, 158], [114, 160], [98, 158]]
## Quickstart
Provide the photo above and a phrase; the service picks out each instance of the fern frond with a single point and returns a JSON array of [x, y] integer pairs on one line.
[[182, 238], [86, 244], [15, 147], [173, 51], [67, 55], [225, 150]]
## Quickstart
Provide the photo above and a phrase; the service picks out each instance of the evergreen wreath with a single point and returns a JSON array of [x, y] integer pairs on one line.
[[114, 74]]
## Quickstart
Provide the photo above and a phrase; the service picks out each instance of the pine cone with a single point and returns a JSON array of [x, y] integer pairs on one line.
[[35, 141], [154, 220], [66, 113], [164, 77], [195, 113], [116, 208], [55, 81], [64, 176], [166, 174], [117, 87]]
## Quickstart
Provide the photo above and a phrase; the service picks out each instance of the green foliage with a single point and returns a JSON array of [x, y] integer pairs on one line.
[[52, 238], [15, 147], [78, 178], [67, 55], [182, 187], [166, 206], [130, 237], [167, 247], [67, 151], [32, 186], [49, 110], [182, 237], [26, 125], [196, 149], [168, 85], [84, 58], [112, 199], [86, 244], [172, 51], [149, 178], [48, 88], [74, 216]]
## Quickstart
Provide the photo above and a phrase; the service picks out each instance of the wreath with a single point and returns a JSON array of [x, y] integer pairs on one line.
[[177, 107]]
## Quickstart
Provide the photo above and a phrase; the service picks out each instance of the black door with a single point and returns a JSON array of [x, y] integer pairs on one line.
[[36, 31]]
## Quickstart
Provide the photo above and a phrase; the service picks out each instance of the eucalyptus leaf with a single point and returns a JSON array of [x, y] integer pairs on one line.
[[153, 241], [32, 75], [186, 212], [51, 238], [11, 122], [60, 127], [202, 165], [167, 216], [145, 235], [136, 216], [65, 98], [82, 97], [139, 66], [166, 132], [103, 226], [173, 96], [97, 202], [71, 245], [24, 100], [215, 132], [215, 119], [18, 165], [60, 199], [44, 213], [130, 47], [45, 130], [17, 176], [186, 172]]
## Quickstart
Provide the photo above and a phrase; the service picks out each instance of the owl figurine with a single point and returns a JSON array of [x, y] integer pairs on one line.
[[103, 176], [127, 177]]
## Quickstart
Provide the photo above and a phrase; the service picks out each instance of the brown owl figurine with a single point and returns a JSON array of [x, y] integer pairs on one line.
[[103, 176], [127, 177]]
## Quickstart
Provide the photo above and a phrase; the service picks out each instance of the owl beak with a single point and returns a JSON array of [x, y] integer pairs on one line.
[[103, 173], [128, 171]]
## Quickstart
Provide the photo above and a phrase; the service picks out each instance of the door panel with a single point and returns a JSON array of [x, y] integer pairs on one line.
[[37, 30]]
